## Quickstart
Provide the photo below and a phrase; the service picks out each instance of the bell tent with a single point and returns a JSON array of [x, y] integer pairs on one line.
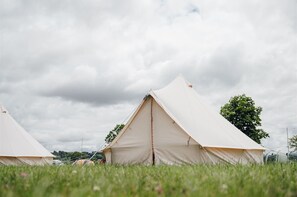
[[17, 147], [173, 126]]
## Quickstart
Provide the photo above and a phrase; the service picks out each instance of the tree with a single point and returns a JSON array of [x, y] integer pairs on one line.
[[242, 113], [76, 155], [293, 142], [113, 133]]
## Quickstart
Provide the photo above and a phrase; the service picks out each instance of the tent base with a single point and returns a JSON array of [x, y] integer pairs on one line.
[[40, 161], [186, 155]]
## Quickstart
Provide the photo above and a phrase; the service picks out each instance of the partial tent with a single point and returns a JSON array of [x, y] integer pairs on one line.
[[173, 126], [17, 146]]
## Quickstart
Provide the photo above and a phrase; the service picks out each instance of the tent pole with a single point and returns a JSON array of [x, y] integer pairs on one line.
[[152, 131]]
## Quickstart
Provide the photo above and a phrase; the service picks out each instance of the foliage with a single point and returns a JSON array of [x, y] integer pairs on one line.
[[242, 112], [69, 157], [187, 180], [293, 156], [293, 142], [113, 133], [270, 158]]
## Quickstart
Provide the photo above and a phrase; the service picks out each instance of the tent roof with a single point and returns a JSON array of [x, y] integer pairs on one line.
[[203, 124], [15, 141]]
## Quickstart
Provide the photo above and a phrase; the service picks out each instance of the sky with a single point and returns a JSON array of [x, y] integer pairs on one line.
[[71, 70]]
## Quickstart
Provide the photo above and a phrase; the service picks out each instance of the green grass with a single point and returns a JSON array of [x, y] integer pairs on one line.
[[196, 180]]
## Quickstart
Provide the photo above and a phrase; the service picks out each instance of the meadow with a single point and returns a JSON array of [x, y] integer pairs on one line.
[[108, 180]]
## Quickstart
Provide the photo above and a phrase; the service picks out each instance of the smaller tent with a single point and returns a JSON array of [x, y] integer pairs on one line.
[[173, 126], [17, 146]]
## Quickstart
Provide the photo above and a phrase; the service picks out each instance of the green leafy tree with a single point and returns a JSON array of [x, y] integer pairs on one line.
[[76, 155], [293, 142], [242, 112], [113, 133]]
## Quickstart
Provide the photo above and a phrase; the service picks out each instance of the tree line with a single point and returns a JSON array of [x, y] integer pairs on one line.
[[69, 157]]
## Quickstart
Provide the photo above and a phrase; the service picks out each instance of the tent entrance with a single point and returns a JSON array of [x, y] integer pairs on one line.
[[152, 131]]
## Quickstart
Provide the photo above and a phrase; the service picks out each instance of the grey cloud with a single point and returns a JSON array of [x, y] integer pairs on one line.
[[73, 138], [224, 68], [101, 94], [4, 89], [60, 14]]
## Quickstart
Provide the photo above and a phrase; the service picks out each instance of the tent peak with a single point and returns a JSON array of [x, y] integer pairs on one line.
[[178, 81], [2, 109]]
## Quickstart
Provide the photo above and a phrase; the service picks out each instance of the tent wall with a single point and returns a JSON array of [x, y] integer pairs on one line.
[[26, 160], [134, 146], [235, 156], [107, 154], [171, 144]]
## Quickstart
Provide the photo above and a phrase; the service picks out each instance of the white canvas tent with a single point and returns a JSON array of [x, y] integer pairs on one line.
[[173, 126], [17, 146]]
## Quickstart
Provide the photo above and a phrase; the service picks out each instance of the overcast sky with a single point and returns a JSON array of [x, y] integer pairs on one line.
[[73, 69]]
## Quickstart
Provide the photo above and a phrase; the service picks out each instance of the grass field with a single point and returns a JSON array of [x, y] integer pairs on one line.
[[197, 180]]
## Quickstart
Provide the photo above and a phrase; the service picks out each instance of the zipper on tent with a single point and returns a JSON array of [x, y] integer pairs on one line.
[[152, 131]]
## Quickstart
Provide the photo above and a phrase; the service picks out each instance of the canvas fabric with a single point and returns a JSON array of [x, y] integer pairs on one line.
[[173, 126], [18, 146], [182, 103], [134, 145], [26, 161]]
